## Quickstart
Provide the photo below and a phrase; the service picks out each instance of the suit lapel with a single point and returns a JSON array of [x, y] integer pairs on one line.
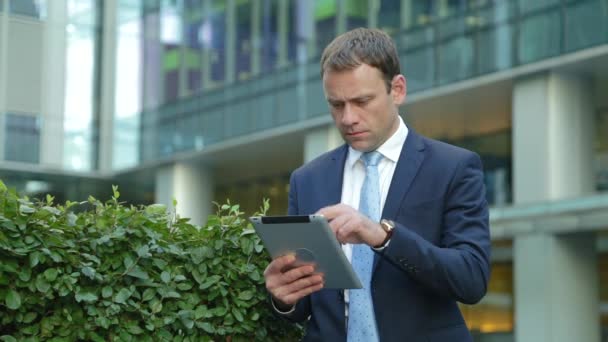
[[412, 155]]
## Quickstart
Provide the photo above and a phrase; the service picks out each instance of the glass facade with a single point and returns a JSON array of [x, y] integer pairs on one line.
[[22, 138], [28, 8]]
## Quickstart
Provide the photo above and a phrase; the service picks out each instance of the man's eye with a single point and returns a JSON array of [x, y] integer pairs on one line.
[[336, 104]]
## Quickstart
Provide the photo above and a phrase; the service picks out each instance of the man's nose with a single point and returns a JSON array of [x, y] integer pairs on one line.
[[349, 116]]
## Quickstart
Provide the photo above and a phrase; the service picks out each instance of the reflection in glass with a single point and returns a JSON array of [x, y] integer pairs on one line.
[[325, 23], [539, 36], [80, 146], [586, 23], [193, 21], [456, 59], [22, 138], [128, 91], [389, 16], [243, 40], [270, 35], [29, 8], [356, 14], [171, 38], [214, 35]]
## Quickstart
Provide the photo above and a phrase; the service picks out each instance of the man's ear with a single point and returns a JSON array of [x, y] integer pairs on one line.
[[399, 89]]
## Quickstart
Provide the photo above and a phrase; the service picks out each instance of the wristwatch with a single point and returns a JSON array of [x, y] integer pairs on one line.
[[387, 226]]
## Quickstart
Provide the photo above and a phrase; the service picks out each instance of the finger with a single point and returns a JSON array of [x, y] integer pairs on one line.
[[332, 211], [297, 273], [293, 292], [337, 224], [293, 298], [277, 265]]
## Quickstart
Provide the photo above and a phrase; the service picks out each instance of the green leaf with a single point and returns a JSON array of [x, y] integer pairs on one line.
[[148, 294], [12, 300], [51, 274], [135, 330], [165, 277], [42, 285], [25, 274], [34, 259], [7, 338], [122, 296], [107, 292], [86, 297], [89, 272], [237, 314], [207, 327], [246, 295], [143, 251], [29, 317], [24, 209], [137, 272], [156, 306]]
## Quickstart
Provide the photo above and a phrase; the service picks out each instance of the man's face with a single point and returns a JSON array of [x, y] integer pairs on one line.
[[363, 109]]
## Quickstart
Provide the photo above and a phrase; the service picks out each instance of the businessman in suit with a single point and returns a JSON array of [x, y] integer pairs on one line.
[[410, 211]]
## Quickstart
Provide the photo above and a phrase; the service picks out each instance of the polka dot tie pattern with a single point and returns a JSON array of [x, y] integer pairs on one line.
[[362, 321]]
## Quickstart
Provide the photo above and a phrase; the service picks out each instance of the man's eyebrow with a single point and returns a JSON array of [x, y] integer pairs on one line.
[[354, 98]]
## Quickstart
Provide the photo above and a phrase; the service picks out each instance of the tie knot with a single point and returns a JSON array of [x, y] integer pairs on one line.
[[371, 158]]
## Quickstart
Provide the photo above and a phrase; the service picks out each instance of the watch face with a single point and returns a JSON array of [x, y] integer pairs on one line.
[[387, 225]]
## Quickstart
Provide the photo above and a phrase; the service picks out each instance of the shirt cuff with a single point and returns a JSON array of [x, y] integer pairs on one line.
[[380, 249], [274, 306]]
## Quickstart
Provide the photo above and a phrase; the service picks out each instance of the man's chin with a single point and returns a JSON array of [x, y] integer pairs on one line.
[[361, 146]]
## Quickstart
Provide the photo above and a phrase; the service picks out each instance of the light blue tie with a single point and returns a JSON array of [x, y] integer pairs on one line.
[[361, 321]]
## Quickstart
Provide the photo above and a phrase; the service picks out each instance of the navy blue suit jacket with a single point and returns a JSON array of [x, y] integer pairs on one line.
[[439, 252]]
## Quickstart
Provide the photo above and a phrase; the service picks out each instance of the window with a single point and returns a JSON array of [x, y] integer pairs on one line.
[[22, 138]]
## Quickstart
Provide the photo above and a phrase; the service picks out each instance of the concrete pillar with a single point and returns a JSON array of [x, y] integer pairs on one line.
[[53, 91], [190, 185], [3, 66], [108, 83], [556, 280], [321, 140]]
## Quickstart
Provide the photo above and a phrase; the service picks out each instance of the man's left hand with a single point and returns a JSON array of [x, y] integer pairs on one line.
[[350, 226]]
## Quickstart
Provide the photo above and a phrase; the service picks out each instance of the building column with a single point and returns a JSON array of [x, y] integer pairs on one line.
[[190, 185], [53, 76], [108, 84], [556, 278], [321, 140]]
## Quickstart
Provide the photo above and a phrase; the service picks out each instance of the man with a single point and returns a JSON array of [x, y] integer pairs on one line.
[[432, 246]]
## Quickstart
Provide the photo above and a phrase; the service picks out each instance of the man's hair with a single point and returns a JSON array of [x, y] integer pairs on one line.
[[362, 46]]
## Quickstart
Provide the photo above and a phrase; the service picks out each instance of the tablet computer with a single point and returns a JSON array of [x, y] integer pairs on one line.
[[312, 241]]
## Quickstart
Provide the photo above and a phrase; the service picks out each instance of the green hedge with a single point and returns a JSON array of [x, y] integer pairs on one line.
[[107, 271]]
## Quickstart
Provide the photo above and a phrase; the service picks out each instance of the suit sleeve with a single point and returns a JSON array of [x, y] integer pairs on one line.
[[459, 267]]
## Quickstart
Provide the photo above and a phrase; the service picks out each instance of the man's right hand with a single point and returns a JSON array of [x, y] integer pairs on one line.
[[288, 283]]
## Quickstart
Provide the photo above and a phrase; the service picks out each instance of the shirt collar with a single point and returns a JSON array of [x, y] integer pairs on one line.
[[391, 149]]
